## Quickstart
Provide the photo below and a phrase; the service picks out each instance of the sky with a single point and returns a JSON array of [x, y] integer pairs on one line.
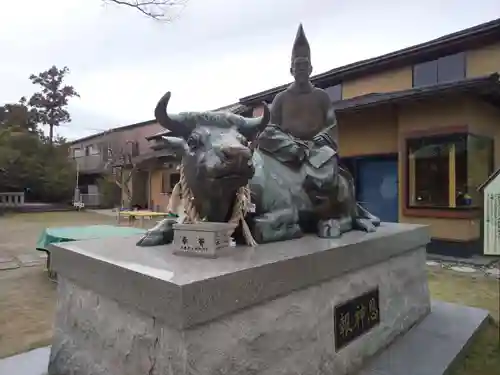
[[213, 52]]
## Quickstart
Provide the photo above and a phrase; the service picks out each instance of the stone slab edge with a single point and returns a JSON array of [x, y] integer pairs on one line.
[[185, 305], [436, 345]]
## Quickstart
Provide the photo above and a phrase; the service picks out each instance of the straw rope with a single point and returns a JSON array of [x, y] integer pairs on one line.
[[182, 196]]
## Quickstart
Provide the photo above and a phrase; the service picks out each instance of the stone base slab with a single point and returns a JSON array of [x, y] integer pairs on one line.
[[290, 334], [431, 347]]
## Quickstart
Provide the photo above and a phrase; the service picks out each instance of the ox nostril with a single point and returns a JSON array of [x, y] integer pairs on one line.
[[236, 152]]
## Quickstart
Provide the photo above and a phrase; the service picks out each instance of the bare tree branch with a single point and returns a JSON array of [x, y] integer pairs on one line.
[[121, 166], [159, 10]]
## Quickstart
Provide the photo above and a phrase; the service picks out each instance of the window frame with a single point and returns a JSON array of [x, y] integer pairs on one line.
[[461, 212], [341, 88], [438, 63]]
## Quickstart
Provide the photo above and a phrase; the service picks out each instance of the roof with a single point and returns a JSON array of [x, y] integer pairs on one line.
[[113, 130], [157, 135], [236, 108], [153, 155], [490, 179], [452, 43], [488, 86]]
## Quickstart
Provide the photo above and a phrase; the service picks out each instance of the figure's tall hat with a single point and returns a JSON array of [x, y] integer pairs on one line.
[[301, 45]]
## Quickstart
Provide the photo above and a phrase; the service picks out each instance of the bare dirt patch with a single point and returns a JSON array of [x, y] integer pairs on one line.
[[27, 304], [19, 232]]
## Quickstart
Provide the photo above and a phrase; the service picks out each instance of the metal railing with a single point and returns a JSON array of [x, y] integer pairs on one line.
[[90, 200], [90, 163], [11, 199]]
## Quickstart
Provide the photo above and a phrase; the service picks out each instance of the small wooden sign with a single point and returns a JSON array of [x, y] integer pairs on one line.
[[205, 239], [355, 317]]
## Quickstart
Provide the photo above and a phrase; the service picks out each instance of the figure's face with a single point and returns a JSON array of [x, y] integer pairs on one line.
[[301, 69]]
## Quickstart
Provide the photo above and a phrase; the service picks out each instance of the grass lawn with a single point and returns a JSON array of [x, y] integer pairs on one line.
[[483, 358]]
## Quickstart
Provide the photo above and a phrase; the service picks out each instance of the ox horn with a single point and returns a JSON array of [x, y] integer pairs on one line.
[[259, 123], [174, 123]]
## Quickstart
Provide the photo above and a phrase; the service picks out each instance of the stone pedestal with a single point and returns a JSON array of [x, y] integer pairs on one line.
[[125, 310]]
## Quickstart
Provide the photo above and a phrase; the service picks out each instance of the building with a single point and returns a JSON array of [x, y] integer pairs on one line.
[[94, 155], [420, 130], [155, 171], [162, 165]]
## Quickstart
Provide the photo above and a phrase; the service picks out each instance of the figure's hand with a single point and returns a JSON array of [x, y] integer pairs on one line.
[[324, 139], [320, 140]]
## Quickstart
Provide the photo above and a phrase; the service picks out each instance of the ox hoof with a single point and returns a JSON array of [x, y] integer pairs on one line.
[[329, 228], [161, 234], [366, 225]]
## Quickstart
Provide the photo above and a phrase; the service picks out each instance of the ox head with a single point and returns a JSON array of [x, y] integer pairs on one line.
[[216, 146]]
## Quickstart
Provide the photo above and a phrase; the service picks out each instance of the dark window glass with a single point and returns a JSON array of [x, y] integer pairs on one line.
[[349, 164], [334, 92], [446, 171], [425, 74], [174, 179], [451, 68], [135, 148], [165, 179], [445, 69]]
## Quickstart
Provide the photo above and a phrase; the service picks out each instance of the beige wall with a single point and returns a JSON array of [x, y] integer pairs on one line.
[[484, 119], [483, 61], [369, 132], [157, 197], [392, 80]]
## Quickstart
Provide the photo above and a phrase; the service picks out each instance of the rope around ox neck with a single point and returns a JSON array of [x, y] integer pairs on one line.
[[191, 215]]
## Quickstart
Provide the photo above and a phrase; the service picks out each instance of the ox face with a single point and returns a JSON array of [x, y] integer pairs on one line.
[[216, 147], [215, 158]]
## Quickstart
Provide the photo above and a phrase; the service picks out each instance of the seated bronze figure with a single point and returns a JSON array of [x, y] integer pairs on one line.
[[280, 180]]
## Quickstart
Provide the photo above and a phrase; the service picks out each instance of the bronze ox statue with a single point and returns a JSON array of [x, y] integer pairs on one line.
[[222, 152]]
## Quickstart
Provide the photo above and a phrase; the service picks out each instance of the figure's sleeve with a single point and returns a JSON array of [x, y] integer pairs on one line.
[[276, 110], [331, 121]]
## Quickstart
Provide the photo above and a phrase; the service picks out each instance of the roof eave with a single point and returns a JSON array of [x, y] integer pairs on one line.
[[485, 32], [490, 81], [490, 179], [110, 131]]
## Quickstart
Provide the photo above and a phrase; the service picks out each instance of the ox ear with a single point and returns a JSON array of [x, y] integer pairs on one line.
[[177, 145], [251, 127]]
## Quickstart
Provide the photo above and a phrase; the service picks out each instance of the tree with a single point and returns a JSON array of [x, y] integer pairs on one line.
[[19, 116], [52, 101], [121, 168], [160, 10], [30, 163]]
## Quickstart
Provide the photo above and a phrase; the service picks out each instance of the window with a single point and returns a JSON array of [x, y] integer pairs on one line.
[[445, 171], [135, 148], [91, 150], [174, 179], [165, 182], [451, 68], [334, 92], [77, 152], [445, 69], [425, 74], [168, 181]]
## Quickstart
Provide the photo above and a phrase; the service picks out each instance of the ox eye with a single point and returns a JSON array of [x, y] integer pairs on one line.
[[194, 141]]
